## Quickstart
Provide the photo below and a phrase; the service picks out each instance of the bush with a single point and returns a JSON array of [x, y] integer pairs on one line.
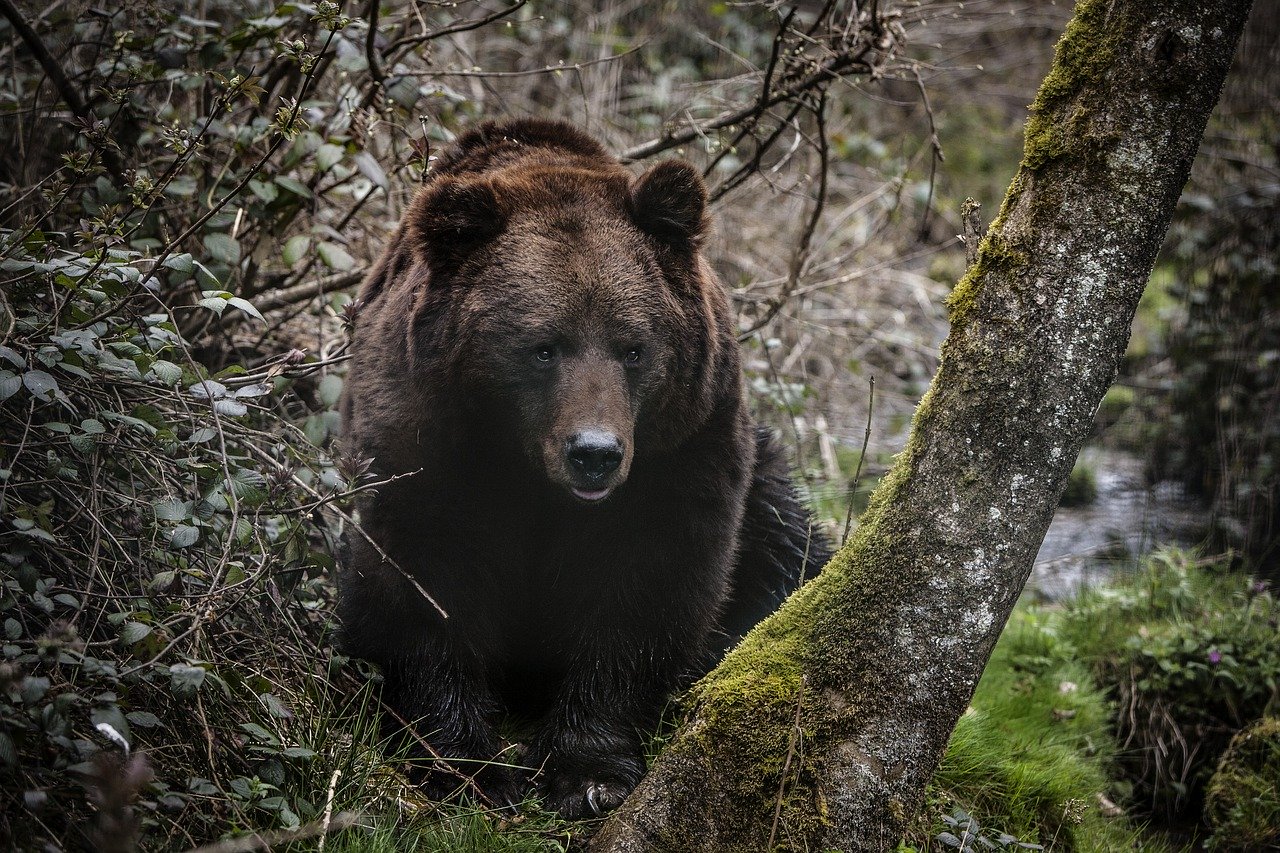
[[1191, 652], [167, 659], [173, 175], [155, 536], [1242, 803]]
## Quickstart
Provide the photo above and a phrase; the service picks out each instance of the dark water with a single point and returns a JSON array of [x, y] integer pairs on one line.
[[1130, 518]]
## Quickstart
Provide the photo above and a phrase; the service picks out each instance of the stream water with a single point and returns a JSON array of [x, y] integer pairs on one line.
[[1086, 545]]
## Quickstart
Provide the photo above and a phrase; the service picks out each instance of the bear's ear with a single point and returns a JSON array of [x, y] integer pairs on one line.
[[670, 202], [452, 217]]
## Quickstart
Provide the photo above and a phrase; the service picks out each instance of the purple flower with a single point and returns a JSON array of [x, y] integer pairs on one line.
[[1215, 656], [1259, 587]]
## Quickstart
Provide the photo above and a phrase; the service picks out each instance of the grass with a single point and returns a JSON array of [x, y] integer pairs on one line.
[[1032, 757]]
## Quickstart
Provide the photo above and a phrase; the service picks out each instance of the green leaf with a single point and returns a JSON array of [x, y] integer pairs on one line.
[[143, 719], [134, 632], [172, 510], [246, 306], [39, 533], [248, 483], [222, 247], [183, 263], [10, 382], [92, 426], [267, 192], [328, 156], [216, 304], [41, 385], [371, 169], [202, 435], [274, 705], [11, 356], [33, 689], [298, 752], [295, 248], [335, 257], [183, 185], [184, 679], [257, 389], [207, 388], [162, 580], [230, 408], [296, 187], [183, 536], [257, 732], [167, 372]]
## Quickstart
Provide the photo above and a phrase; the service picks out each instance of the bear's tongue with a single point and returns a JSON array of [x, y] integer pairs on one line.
[[590, 494]]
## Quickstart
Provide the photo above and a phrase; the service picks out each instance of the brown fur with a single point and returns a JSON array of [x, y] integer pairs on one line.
[[539, 311]]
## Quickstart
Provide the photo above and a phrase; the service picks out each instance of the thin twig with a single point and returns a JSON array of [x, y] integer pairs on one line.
[[460, 27], [370, 48], [549, 69], [786, 764], [936, 151], [857, 473], [801, 254], [826, 72]]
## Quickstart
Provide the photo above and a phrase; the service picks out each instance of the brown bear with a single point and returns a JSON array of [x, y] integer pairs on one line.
[[548, 368]]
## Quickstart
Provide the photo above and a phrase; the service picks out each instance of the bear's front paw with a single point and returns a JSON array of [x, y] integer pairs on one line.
[[587, 799], [590, 789]]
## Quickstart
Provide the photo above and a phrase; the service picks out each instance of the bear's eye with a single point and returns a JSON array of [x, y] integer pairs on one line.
[[632, 357], [545, 354]]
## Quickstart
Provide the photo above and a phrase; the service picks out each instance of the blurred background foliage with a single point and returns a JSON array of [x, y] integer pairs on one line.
[[189, 194]]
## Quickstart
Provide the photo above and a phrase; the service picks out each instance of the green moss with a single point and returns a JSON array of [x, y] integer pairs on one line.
[[798, 652], [1084, 58], [1242, 802], [995, 255]]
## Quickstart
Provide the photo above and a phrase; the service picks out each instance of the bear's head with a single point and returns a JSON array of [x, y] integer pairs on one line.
[[568, 304]]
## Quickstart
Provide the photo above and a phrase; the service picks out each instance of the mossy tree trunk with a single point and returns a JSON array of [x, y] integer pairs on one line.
[[822, 729]]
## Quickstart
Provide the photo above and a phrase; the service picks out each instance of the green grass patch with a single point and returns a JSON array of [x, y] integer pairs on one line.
[[1031, 758]]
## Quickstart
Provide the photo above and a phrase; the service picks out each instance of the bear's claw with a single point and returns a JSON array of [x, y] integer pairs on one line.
[[601, 798]]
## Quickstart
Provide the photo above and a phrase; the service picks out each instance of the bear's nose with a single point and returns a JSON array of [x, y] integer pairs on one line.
[[595, 453]]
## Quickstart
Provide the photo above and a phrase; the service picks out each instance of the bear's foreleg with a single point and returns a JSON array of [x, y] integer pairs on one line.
[[443, 697], [436, 694], [633, 653]]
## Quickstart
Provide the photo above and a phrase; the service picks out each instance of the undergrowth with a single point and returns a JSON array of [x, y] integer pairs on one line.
[[1190, 650], [1030, 762]]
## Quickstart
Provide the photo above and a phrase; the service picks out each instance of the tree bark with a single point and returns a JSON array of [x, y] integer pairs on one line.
[[821, 730]]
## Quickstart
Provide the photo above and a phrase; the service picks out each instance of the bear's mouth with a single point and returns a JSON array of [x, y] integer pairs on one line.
[[590, 495]]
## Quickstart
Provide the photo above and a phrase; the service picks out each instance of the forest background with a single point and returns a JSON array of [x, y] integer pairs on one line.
[[188, 197]]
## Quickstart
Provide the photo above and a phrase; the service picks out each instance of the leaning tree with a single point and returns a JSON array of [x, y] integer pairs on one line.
[[821, 730]]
